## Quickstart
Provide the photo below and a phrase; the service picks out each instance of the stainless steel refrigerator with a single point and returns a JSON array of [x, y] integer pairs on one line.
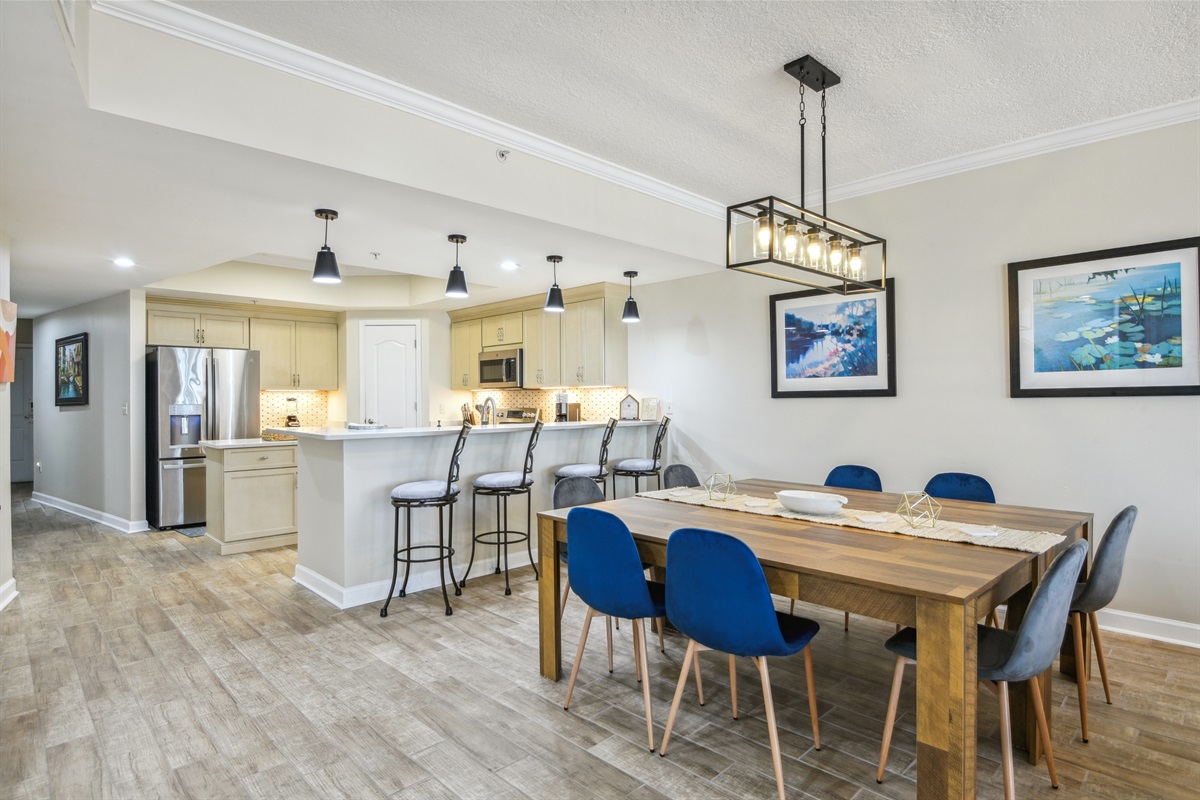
[[192, 393]]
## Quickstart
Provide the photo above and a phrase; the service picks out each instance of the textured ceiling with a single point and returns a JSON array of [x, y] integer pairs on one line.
[[693, 93]]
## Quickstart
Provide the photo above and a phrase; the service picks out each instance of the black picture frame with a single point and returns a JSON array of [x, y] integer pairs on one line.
[[881, 384], [71, 370], [1136, 312]]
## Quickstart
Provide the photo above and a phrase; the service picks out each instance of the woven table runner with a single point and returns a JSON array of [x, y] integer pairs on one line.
[[881, 521]]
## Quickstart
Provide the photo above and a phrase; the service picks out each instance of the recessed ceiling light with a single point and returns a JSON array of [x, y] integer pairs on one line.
[[123, 261], [509, 265]]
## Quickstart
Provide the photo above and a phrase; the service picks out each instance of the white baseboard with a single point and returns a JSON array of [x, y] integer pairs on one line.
[[118, 523], [429, 577], [1147, 627], [7, 592]]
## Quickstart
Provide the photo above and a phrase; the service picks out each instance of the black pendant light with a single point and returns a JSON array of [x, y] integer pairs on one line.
[[326, 269], [456, 286], [554, 301], [630, 314]]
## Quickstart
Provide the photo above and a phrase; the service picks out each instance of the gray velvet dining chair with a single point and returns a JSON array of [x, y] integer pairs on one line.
[[1006, 656], [1093, 595], [679, 476]]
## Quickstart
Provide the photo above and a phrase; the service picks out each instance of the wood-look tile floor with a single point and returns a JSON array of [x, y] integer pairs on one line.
[[145, 665]]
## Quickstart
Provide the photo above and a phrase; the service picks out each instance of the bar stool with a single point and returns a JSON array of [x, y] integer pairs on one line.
[[638, 468], [427, 494], [503, 485], [598, 471]]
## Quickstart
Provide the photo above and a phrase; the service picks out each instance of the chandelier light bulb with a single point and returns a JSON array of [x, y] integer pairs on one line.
[[791, 239], [836, 251], [814, 245], [855, 259], [763, 231]]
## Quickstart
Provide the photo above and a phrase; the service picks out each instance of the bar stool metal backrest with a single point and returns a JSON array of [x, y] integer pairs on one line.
[[638, 468], [427, 494], [597, 472], [503, 485]]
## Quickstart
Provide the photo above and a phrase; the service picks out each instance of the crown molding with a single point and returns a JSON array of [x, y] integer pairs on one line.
[[192, 26]]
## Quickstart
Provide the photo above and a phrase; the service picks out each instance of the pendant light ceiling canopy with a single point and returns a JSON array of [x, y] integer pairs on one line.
[[778, 239], [456, 286], [554, 298], [326, 268], [630, 312]]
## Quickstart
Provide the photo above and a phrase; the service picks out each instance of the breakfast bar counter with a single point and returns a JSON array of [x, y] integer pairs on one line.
[[344, 513]]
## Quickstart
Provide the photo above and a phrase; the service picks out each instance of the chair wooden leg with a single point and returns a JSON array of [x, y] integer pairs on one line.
[[587, 624], [661, 623], [769, 702], [792, 610], [812, 694], [699, 685], [1006, 756], [562, 604], [639, 651], [890, 722], [683, 676], [1076, 622], [733, 685], [1035, 691], [1100, 655], [992, 621], [608, 630], [846, 622]]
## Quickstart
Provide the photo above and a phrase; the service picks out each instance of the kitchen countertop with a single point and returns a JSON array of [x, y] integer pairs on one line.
[[336, 433], [234, 444]]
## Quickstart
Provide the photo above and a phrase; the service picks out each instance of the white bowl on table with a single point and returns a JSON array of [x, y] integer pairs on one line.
[[802, 502]]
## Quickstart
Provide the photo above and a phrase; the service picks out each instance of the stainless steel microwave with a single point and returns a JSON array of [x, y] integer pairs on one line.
[[500, 369]]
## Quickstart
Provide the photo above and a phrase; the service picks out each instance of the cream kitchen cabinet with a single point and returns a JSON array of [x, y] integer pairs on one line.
[[251, 496], [502, 331], [295, 355], [581, 361], [541, 349], [193, 328], [466, 343]]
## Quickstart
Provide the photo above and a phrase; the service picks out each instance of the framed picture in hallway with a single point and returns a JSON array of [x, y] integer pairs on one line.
[[71, 370], [829, 345], [1108, 323]]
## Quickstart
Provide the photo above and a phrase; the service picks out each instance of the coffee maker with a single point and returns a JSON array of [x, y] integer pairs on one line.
[[565, 411]]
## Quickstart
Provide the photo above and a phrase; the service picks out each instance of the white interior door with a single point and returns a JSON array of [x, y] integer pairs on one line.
[[21, 455], [389, 373]]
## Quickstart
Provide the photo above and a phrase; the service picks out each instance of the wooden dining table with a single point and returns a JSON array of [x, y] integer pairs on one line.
[[940, 588]]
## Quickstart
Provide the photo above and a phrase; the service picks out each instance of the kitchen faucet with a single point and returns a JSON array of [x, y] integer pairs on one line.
[[487, 412]]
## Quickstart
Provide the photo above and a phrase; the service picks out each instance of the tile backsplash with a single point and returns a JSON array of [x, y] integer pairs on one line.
[[311, 407], [595, 405]]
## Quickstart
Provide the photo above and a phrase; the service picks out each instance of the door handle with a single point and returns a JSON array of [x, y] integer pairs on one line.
[[183, 466]]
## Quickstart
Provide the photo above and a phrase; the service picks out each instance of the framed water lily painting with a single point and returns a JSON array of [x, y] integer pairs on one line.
[[829, 345], [1117, 322]]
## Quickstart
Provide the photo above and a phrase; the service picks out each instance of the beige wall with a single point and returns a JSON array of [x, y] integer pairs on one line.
[[703, 345], [6, 556], [93, 456]]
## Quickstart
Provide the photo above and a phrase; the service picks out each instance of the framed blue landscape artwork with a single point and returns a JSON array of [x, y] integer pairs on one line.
[[1115, 322], [829, 345]]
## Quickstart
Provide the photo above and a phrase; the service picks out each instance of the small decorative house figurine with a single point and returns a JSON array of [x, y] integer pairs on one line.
[[720, 487], [629, 407], [919, 510]]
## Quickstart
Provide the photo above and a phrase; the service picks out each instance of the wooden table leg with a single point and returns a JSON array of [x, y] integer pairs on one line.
[[549, 586], [1066, 654], [946, 697]]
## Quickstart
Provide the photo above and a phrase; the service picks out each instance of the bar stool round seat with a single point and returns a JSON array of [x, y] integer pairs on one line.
[[502, 486], [598, 469], [427, 494], [638, 468]]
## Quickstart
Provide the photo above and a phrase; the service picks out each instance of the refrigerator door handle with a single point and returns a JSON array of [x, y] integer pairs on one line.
[[182, 466], [214, 424]]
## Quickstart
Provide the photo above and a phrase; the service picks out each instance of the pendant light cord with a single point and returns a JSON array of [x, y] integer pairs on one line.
[[803, 123], [824, 195], [326, 232]]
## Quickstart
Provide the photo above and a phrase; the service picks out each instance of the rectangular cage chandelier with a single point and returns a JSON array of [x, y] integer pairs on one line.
[[778, 239]]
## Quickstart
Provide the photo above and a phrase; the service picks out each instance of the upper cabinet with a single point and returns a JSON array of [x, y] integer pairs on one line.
[[502, 331], [295, 354], [541, 334], [183, 328], [465, 345], [586, 345]]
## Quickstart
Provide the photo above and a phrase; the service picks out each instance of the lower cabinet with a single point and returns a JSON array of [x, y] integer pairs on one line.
[[251, 497]]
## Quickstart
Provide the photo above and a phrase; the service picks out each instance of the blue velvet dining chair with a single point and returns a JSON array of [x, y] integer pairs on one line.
[[606, 572], [1095, 594], [960, 486], [853, 476], [717, 596], [1006, 656]]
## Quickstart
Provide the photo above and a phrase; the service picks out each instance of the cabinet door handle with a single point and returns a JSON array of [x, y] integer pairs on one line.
[[196, 336], [500, 334], [202, 336], [263, 458]]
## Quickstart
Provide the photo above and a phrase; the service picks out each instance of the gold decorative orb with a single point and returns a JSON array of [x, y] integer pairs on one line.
[[720, 486], [919, 510]]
